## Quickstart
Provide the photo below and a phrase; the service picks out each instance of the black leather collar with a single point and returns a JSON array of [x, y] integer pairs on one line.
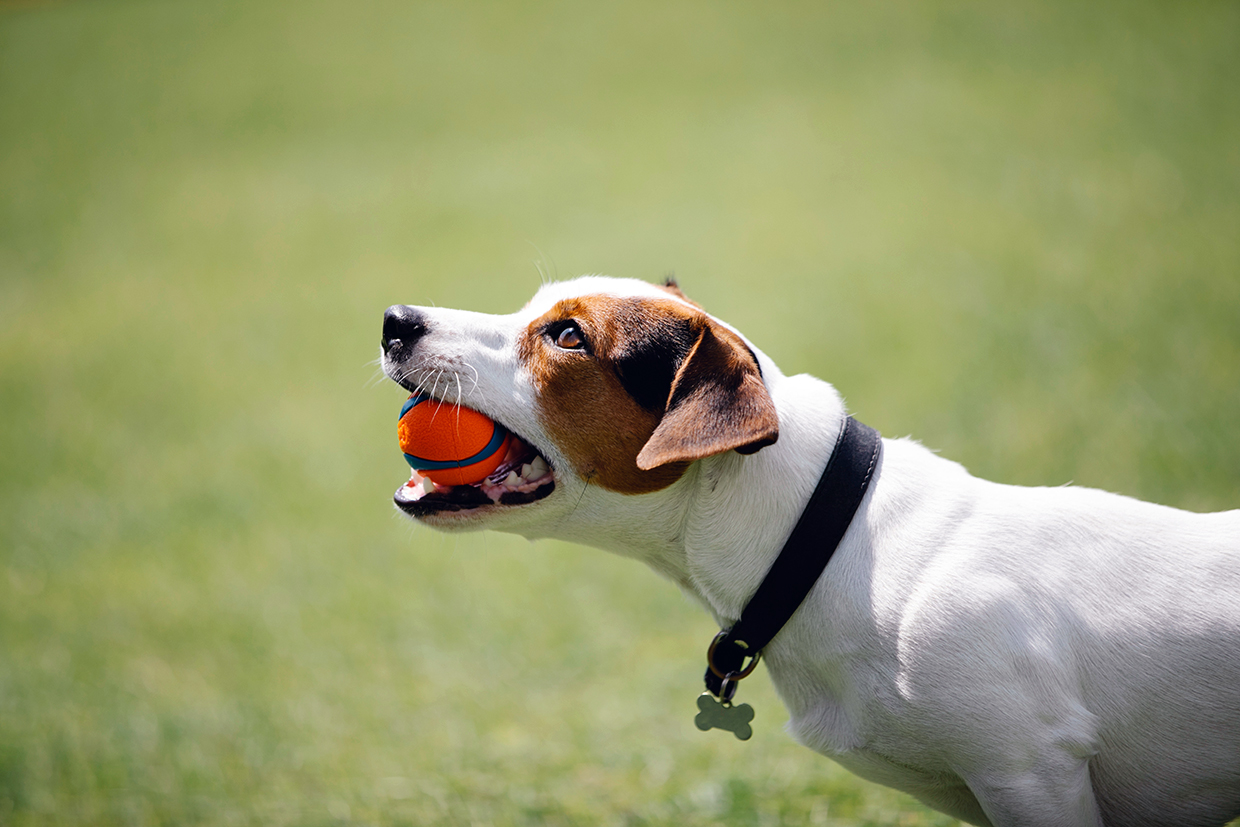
[[801, 561]]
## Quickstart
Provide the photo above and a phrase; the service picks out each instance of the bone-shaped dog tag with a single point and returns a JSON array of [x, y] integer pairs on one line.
[[716, 715]]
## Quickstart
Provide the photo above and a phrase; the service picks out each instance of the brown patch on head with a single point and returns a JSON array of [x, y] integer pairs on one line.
[[672, 287], [656, 385]]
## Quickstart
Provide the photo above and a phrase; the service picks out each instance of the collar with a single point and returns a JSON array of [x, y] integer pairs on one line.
[[802, 560]]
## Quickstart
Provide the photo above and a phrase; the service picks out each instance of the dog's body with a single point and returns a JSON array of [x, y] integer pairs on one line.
[[1008, 655]]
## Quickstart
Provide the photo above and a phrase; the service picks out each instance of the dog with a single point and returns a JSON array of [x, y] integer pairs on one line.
[[1041, 657]]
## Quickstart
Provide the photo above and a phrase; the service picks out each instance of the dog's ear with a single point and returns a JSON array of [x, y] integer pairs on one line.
[[717, 403]]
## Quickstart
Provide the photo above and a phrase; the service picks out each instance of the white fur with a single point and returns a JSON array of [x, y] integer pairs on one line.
[[1008, 655]]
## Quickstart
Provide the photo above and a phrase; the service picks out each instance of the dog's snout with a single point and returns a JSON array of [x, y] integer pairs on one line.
[[402, 325]]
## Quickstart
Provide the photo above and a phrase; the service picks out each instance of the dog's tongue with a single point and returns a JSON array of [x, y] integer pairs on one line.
[[522, 471]]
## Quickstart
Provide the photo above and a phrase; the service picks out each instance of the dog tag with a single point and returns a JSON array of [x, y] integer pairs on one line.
[[713, 714]]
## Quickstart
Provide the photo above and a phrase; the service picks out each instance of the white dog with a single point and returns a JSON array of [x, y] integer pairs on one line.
[[1007, 655]]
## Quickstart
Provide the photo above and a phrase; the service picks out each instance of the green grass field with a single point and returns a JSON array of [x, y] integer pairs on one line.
[[1011, 230]]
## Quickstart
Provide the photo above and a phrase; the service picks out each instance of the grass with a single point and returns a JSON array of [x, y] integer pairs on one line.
[[1011, 230]]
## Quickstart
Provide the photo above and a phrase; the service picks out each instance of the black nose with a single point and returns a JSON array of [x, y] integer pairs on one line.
[[402, 325]]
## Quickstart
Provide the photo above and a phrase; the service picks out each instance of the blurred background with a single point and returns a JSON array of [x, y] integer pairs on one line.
[[1011, 230]]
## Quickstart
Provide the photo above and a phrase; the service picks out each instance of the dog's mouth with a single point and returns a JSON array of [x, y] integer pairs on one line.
[[522, 477]]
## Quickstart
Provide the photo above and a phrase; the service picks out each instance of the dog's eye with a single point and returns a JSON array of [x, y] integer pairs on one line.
[[570, 338]]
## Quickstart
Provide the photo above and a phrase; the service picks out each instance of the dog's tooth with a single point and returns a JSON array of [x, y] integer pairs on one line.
[[512, 480], [428, 487], [539, 466], [527, 471]]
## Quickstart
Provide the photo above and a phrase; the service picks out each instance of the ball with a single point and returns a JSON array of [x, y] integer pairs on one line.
[[450, 444]]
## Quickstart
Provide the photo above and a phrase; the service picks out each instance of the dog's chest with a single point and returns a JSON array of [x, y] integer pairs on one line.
[[862, 724]]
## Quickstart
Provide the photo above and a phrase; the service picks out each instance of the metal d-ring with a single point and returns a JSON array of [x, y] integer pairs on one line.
[[727, 689], [732, 676]]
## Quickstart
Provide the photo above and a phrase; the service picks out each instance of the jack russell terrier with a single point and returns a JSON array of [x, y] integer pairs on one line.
[[1041, 657]]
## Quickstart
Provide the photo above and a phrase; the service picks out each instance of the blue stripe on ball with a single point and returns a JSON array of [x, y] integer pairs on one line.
[[497, 439]]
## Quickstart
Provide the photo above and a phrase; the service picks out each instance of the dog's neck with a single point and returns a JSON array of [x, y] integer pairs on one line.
[[700, 532], [727, 550]]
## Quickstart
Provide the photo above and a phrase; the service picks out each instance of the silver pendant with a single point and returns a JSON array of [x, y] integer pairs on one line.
[[714, 714]]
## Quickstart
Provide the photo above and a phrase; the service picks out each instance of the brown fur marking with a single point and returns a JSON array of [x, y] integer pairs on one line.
[[718, 403], [672, 287], [699, 388]]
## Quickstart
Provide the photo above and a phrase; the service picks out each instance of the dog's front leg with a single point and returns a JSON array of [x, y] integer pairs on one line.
[[1052, 793]]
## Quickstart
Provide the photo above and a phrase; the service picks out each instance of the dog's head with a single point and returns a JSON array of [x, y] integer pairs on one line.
[[615, 384]]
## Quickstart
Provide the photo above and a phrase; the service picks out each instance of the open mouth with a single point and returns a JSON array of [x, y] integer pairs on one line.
[[522, 477]]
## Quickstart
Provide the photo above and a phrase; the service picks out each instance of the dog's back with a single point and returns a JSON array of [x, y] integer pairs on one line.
[[1101, 626]]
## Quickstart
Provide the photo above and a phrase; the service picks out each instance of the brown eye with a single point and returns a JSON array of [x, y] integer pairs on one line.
[[570, 338]]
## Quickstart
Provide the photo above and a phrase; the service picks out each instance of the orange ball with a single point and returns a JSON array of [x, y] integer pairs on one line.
[[449, 444]]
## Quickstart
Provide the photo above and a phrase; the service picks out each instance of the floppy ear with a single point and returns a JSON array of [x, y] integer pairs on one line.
[[717, 403]]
